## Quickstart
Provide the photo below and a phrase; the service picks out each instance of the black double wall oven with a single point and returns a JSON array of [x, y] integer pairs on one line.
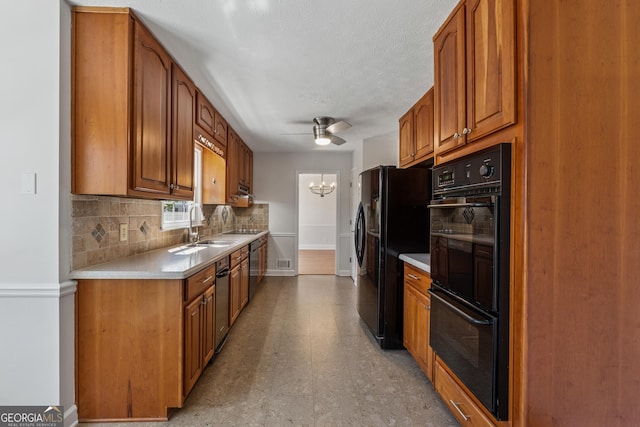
[[469, 238]]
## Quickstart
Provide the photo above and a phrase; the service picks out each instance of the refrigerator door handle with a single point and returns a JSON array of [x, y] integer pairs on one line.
[[360, 234]]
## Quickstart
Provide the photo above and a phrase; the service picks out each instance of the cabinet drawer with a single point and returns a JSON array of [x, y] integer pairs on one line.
[[419, 279], [199, 282], [460, 405], [238, 256]]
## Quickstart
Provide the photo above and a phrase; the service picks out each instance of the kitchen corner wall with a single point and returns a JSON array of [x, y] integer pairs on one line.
[[96, 226]]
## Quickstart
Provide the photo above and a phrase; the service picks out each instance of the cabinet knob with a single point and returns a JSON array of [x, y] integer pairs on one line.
[[466, 131], [456, 135], [427, 307]]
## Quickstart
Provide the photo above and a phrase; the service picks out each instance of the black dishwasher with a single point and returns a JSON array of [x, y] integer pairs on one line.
[[222, 301]]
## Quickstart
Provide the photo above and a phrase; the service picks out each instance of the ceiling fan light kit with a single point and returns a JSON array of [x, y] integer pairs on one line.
[[324, 129]]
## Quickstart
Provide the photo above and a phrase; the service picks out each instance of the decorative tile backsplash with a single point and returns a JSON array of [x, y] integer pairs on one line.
[[96, 226]]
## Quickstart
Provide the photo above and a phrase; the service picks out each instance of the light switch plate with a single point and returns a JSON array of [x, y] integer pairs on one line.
[[124, 232], [28, 183]]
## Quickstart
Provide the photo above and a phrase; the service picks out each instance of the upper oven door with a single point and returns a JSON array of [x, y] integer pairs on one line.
[[463, 236]]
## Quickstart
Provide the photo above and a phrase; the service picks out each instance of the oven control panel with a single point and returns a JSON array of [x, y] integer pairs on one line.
[[479, 170]]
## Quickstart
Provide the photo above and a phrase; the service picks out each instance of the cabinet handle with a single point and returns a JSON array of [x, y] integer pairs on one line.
[[466, 131], [207, 279], [427, 307], [462, 414], [170, 186], [176, 187], [456, 135], [413, 276]]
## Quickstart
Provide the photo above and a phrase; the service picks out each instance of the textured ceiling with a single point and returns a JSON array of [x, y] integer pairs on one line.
[[270, 66]]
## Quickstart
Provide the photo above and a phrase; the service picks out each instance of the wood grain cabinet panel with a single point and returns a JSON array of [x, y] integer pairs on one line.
[[475, 81], [417, 311], [183, 117], [416, 132], [130, 127]]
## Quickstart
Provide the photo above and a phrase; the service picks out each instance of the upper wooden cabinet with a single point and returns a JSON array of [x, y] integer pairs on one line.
[[475, 86], [416, 132], [239, 168], [210, 120], [183, 102], [131, 127]]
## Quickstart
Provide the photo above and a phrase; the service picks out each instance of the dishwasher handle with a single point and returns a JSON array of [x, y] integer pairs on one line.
[[222, 273]]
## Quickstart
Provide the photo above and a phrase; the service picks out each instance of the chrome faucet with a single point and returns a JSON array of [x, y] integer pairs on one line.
[[193, 236]]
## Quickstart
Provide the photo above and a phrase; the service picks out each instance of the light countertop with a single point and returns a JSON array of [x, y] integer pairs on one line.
[[421, 261], [174, 262]]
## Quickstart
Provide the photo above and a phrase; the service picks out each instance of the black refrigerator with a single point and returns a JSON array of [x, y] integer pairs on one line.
[[392, 219]]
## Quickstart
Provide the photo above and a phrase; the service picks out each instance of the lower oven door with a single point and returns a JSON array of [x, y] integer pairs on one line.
[[466, 340]]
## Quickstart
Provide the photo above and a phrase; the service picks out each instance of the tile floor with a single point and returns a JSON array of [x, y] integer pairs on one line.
[[300, 355]]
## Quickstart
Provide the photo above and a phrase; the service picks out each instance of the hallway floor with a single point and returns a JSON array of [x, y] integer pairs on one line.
[[300, 355]]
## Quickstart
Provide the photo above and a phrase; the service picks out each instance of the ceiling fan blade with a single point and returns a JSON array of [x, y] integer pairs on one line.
[[338, 126], [303, 133], [336, 140]]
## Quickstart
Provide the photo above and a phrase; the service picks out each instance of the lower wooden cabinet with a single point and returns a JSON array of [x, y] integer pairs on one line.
[[238, 283], [141, 344], [460, 404], [199, 336], [262, 257], [417, 310]]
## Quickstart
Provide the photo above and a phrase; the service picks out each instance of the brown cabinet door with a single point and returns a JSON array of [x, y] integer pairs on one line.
[[183, 117], [416, 327], [152, 92], [209, 325], [423, 125], [213, 178], [220, 129], [233, 153], [205, 114], [491, 82], [407, 146], [193, 315], [449, 87], [235, 284]]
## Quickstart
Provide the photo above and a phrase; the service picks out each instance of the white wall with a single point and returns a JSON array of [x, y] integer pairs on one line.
[[380, 150], [316, 215], [275, 182], [36, 300]]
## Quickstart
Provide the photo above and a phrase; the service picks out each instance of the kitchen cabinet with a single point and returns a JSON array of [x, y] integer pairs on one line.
[[136, 335], [417, 306], [238, 283], [213, 169], [132, 127], [475, 83], [416, 132], [199, 325], [208, 118], [459, 401], [182, 119], [239, 169], [262, 257]]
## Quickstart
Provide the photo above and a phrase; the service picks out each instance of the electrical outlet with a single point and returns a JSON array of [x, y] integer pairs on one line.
[[124, 232]]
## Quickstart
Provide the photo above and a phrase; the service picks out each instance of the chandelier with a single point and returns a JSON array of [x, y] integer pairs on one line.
[[322, 188]]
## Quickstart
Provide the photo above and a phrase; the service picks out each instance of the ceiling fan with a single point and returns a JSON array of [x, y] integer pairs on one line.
[[325, 128]]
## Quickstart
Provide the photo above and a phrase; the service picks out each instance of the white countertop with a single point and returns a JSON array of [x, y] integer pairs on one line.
[[421, 261], [174, 262]]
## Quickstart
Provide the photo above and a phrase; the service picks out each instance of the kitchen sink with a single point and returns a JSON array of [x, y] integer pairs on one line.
[[216, 243]]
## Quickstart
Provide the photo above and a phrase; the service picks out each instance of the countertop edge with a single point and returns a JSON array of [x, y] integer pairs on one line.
[[113, 270], [421, 261]]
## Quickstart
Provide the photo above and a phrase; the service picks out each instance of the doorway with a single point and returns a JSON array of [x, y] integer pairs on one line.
[[317, 213]]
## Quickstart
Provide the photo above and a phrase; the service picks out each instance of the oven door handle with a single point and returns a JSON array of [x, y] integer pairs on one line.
[[461, 205], [458, 311]]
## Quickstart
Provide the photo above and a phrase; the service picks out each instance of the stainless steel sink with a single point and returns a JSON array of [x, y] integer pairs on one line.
[[216, 243]]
